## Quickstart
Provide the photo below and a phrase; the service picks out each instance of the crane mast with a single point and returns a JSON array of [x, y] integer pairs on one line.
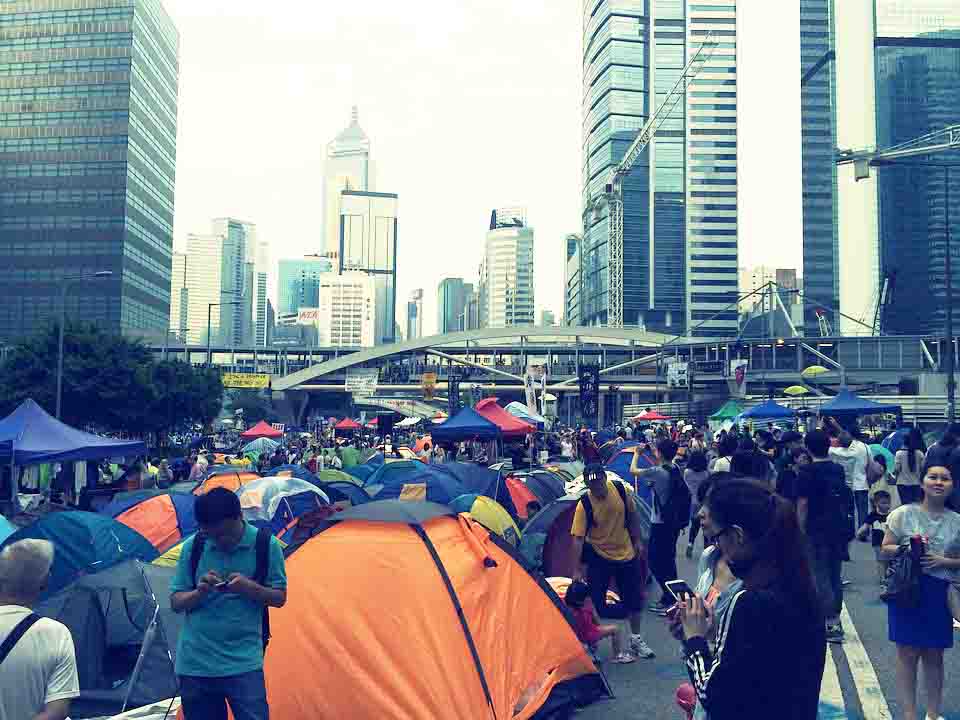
[[613, 194]]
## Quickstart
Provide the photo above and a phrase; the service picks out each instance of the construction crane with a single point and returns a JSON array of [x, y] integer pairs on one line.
[[613, 191]]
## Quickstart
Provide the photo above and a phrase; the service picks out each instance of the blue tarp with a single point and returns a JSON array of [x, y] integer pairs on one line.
[[35, 437], [769, 410], [465, 425], [84, 543], [846, 403]]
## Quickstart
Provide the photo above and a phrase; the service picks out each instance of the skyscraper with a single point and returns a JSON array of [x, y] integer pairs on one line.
[[368, 243], [261, 302], [88, 144], [917, 61], [179, 297], [452, 295], [415, 315], [680, 201], [506, 276], [818, 122], [347, 167], [571, 279], [243, 317], [299, 282]]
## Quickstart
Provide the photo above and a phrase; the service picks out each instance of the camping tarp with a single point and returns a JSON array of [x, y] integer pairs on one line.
[[33, 436], [84, 543], [465, 425], [730, 410], [522, 412], [261, 430], [768, 410], [508, 424], [468, 631], [846, 403]]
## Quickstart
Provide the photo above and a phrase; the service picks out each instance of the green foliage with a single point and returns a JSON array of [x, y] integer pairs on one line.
[[110, 381]]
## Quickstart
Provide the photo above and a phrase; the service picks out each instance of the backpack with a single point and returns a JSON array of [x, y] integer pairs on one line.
[[839, 516], [676, 513], [262, 546], [588, 507]]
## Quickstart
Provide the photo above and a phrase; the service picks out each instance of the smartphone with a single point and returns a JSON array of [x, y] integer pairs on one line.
[[220, 585], [680, 590]]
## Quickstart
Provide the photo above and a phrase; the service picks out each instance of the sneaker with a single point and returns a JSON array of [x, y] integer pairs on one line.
[[835, 633], [623, 658], [844, 582], [689, 552], [640, 647], [659, 608]]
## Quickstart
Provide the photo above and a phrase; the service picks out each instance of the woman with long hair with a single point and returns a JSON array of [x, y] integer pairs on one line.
[[771, 640], [694, 475], [924, 631], [908, 467]]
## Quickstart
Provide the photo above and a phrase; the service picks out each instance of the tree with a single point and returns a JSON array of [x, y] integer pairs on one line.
[[255, 406], [109, 381]]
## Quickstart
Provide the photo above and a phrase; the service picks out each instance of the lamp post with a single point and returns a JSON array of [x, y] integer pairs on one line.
[[65, 285], [210, 307]]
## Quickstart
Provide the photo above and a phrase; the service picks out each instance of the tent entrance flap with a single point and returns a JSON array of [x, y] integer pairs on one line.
[[422, 534]]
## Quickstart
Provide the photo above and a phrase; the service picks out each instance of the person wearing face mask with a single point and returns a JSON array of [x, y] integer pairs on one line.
[[771, 641]]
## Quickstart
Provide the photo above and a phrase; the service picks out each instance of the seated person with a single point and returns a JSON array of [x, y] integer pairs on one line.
[[587, 623]]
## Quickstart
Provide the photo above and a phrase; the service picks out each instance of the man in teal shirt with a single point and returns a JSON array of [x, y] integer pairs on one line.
[[220, 652]]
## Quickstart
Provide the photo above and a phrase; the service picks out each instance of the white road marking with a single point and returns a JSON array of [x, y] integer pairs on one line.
[[864, 675], [831, 696]]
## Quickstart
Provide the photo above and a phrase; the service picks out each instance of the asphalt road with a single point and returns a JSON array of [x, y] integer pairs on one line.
[[859, 683]]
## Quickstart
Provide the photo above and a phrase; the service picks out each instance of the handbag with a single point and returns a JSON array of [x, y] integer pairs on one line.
[[901, 581]]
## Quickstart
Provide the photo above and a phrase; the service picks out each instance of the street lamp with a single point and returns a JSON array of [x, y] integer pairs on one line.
[[210, 307], [66, 283]]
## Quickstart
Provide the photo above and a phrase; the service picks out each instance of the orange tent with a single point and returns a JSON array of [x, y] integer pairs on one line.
[[232, 481], [466, 627], [521, 495]]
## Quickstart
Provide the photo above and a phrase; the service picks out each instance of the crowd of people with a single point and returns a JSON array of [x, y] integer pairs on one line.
[[778, 510]]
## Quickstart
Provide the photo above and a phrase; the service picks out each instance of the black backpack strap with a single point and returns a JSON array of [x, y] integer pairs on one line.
[[588, 511], [18, 632], [196, 552], [264, 536]]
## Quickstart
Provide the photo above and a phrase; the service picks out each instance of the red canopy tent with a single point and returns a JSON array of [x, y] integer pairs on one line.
[[347, 424], [509, 425], [651, 416], [373, 423], [261, 430]]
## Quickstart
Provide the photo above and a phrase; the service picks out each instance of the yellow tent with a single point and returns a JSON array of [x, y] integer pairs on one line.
[[490, 514]]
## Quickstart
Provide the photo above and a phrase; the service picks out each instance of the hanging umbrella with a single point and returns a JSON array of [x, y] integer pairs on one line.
[[814, 371], [796, 390]]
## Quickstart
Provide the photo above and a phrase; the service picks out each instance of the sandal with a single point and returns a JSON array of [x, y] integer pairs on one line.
[[623, 658]]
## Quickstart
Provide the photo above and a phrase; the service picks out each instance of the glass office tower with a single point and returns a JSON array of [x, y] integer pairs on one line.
[[918, 91], [818, 122], [680, 201], [88, 127]]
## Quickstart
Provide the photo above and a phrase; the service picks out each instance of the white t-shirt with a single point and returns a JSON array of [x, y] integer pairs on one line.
[[41, 668], [854, 461]]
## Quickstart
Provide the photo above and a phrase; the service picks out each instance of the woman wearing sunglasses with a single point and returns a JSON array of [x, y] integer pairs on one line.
[[770, 647]]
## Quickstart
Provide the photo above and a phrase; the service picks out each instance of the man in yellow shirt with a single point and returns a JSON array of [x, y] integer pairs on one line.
[[603, 541]]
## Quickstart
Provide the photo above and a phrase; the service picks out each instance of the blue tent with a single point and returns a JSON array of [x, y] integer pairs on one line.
[[385, 474], [481, 480], [7, 528], [620, 464], [361, 472], [341, 491], [465, 425], [769, 410], [84, 543], [297, 471], [437, 486], [848, 404], [32, 436]]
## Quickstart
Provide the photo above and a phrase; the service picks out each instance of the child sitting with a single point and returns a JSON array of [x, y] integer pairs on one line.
[[875, 525], [587, 623]]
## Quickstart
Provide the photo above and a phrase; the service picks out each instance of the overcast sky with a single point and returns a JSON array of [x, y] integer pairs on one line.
[[469, 105]]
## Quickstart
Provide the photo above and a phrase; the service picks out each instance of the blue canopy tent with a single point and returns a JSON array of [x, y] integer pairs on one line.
[[848, 404], [465, 425], [769, 410], [30, 436]]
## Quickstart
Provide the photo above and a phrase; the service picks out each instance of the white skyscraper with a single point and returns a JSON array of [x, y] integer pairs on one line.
[[415, 315], [179, 297], [347, 167], [347, 313], [506, 276]]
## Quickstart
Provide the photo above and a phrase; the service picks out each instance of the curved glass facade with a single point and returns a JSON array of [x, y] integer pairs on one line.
[[88, 126]]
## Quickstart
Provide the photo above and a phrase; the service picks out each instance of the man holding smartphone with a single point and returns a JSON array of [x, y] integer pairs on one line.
[[227, 575]]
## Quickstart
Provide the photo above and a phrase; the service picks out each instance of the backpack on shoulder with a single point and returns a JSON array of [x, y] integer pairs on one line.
[[259, 574], [588, 506], [840, 511], [676, 513]]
